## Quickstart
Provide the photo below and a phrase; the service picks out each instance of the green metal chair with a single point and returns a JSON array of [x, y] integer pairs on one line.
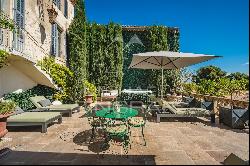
[[139, 121], [94, 121], [117, 131]]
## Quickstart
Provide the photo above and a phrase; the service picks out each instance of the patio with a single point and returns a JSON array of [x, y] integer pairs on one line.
[[169, 142]]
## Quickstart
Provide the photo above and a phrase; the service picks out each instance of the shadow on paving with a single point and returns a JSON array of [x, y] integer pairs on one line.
[[193, 120], [28, 158], [83, 139], [28, 128]]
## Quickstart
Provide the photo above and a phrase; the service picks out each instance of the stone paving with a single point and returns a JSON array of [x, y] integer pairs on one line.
[[170, 142]]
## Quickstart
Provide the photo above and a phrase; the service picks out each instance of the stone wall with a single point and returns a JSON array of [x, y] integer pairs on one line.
[[37, 30]]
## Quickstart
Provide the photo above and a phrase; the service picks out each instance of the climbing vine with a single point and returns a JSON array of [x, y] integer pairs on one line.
[[104, 49]]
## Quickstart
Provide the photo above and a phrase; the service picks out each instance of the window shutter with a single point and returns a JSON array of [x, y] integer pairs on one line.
[[66, 8], [54, 40]]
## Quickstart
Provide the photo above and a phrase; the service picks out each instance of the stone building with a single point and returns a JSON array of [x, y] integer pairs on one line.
[[42, 27]]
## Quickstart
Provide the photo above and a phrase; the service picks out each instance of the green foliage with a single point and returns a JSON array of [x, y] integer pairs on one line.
[[3, 57], [22, 99], [207, 87], [7, 107], [154, 38], [238, 76], [208, 73], [232, 86], [220, 87], [78, 50], [90, 89], [62, 77], [190, 87], [6, 23], [105, 56], [144, 97]]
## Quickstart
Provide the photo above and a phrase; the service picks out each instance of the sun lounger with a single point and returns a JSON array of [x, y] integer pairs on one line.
[[169, 110], [64, 108], [42, 119]]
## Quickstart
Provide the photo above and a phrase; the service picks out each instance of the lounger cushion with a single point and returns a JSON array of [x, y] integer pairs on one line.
[[33, 117], [45, 103], [170, 107], [193, 111], [18, 110], [62, 107]]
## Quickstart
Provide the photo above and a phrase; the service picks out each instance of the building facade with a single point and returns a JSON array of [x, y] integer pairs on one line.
[[41, 28]]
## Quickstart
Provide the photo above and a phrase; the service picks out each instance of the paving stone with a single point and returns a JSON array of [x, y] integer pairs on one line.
[[171, 142]]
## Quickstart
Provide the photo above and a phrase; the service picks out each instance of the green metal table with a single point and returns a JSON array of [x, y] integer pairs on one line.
[[124, 113]]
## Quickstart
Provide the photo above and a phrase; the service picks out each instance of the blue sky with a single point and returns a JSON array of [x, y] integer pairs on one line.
[[217, 27]]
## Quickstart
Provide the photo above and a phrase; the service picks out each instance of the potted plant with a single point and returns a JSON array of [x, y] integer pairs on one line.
[[89, 92], [6, 110]]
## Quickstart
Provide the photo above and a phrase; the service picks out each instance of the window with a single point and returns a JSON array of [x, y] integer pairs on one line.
[[66, 8], [57, 3], [19, 12], [56, 36]]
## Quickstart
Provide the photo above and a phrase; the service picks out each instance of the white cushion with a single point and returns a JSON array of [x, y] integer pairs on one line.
[[57, 102], [106, 94]]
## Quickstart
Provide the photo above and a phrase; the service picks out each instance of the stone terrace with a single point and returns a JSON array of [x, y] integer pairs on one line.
[[170, 142]]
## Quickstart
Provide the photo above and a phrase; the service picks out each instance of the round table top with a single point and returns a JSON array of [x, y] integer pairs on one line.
[[124, 113]]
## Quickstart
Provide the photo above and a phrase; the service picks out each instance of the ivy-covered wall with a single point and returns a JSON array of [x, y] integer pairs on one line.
[[105, 55], [152, 38]]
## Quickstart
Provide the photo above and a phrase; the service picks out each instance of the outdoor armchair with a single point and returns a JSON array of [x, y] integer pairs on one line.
[[64, 108], [94, 121]]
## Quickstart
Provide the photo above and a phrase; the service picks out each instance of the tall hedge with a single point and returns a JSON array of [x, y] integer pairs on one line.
[[78, 49], [154, 38], [105, 56]]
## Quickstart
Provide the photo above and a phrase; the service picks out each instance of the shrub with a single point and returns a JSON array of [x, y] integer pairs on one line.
[[90, 89], [62, 77], [22, 99], [7, 107]]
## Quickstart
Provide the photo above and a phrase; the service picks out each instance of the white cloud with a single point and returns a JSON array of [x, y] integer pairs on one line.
[[247, 63]]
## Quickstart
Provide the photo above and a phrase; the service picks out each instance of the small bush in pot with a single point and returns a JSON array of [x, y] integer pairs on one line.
[[6, 109]]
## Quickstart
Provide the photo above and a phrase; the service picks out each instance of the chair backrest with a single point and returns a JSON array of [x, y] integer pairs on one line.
[[36, 99], [190, 100], [171, 107], [208, 105]]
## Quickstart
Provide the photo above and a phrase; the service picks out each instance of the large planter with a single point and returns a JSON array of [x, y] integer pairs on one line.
[[234, 118], [3, 122]]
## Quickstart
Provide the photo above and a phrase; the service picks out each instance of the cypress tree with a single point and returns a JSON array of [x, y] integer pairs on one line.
[[78, 50]]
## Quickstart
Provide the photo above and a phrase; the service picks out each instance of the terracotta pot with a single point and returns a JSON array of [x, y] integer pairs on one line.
[[3, 122], [89, 99]]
